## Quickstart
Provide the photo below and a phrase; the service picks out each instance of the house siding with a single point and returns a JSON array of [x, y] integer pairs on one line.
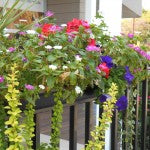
[[65, 10]]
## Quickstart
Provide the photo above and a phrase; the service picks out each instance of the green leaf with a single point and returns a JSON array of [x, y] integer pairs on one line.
[[51, 82], [51, 58], [73, 78]]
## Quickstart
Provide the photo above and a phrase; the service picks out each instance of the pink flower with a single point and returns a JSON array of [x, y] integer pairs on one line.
[[40, 43], [29, 87], [130, 35], [49, 13], [22, 33], [131, 45], [55, 28], [1, 79], [103, 68], [92, 46], [11, 49], [38, 25]]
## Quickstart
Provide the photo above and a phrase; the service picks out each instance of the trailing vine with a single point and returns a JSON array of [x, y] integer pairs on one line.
[[98, 135], [3, 140], [56, 121], [29, 125], [129, 122], [14, 128]]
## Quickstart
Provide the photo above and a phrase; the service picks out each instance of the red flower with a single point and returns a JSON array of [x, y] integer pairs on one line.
[[46, 29], [92, 42], [50, 29], [73, 26], [103, 67]]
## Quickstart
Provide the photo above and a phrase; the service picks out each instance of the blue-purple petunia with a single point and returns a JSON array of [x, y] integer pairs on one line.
[[128, 76], [108, 60], [104, 97], [122, 103]]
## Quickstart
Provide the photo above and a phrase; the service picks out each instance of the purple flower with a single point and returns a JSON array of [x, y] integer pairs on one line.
[[49, 13], [29, 87], [107, 60], [130, 35], [92, 48], [122, 103], [104, 97], [128, 76], [11, 49], [1, 79], [24, 59]]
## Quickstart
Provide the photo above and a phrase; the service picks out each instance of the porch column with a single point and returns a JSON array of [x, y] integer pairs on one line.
[[112, 13]]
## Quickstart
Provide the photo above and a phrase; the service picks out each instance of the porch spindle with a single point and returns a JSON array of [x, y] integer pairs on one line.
[[73, 127], [36, 138], [88, 121], [114, 127], [144, 113]]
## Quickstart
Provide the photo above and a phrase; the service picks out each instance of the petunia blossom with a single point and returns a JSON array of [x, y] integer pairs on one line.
[[122, 103], [107, 60], [128, 76], [104, 97]]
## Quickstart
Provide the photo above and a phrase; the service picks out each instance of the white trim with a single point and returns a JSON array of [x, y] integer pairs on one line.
[[90, 10]]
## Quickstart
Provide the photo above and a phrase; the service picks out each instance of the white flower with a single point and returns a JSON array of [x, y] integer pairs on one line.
[[78, 90], [42, 87], [48, 47], [65, 67], [92, 36], [31, 32], [6, 35], [63, 25], [57, 47], [78, 58], [53, 67], [68, 62]]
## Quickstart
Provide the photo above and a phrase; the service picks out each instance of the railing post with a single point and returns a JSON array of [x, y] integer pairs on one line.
[[36, 138], [73, 127], [144, 113], [88, 121], [114, 126]]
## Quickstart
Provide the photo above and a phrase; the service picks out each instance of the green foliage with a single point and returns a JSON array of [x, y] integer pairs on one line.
[[29, 125], [3, 138], [14, 128], [98, 135], [56, 121]]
